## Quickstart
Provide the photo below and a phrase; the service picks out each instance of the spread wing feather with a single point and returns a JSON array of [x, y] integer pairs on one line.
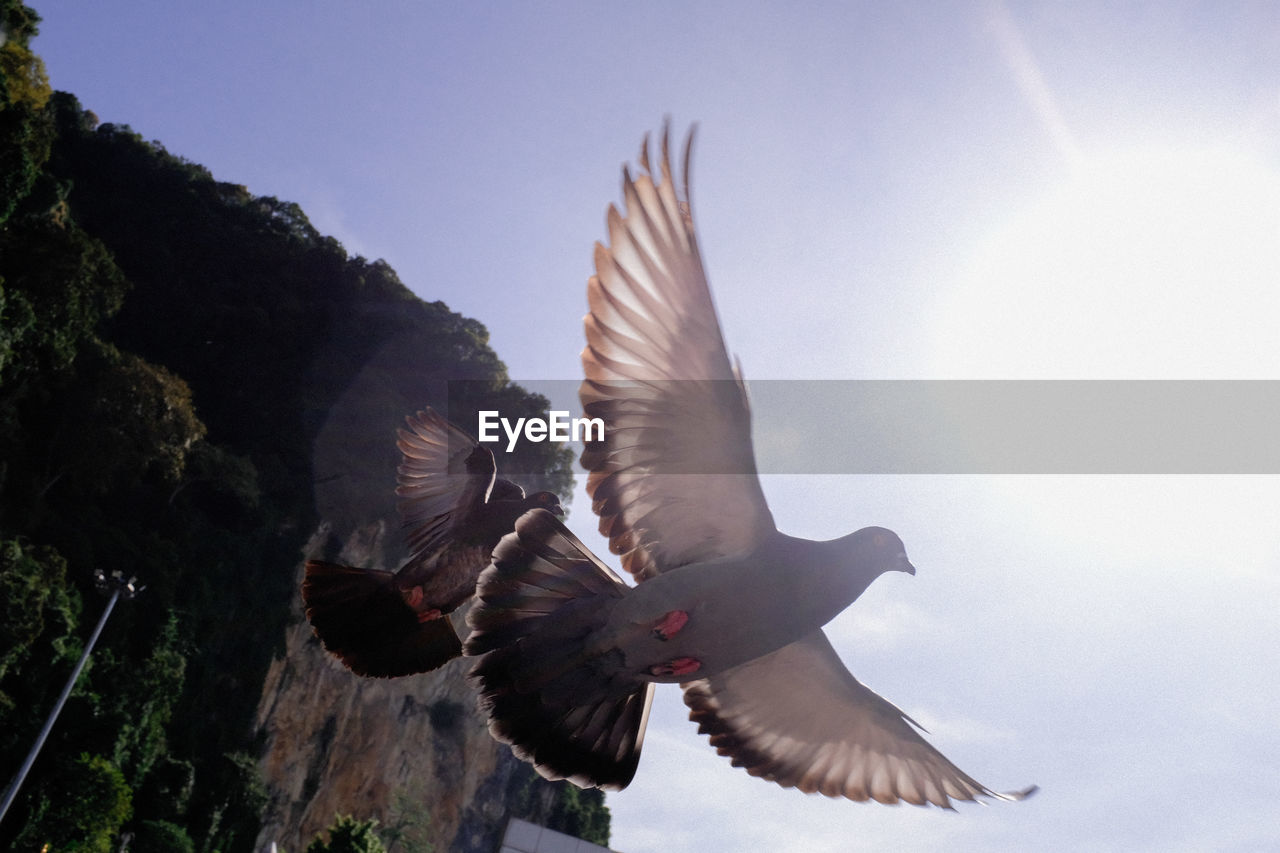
[[799, 718], [444, 477], [677, 454]]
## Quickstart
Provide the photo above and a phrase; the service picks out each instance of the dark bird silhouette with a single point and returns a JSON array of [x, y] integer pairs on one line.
[[454, 509], [726, 605]]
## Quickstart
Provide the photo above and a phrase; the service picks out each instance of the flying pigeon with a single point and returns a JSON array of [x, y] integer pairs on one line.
[[455, 509], [727, 606]]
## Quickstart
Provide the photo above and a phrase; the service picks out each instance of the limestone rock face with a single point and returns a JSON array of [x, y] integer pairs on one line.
[[336, 743]]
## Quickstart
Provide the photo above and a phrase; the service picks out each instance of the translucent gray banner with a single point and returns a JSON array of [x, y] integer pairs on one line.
[[1173, 427]]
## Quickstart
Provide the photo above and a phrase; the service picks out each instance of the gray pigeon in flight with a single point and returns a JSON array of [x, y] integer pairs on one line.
[[455, 509], [726, 605]]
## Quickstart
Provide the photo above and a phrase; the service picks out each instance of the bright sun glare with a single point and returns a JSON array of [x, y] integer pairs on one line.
[[1146, 264], [1151, 263]]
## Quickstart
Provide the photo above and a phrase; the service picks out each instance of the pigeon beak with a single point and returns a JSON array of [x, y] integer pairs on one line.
[[902, 564], [558, 510]]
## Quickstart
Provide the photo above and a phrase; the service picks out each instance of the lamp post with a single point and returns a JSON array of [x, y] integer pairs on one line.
[[117, 585]]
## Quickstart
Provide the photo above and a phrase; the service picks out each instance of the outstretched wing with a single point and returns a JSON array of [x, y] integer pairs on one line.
[[677, 454], [444, 477], [798, 717]]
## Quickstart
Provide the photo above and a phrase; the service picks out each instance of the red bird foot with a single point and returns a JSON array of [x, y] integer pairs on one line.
[[670, 624], [428, 615], [676, 666]]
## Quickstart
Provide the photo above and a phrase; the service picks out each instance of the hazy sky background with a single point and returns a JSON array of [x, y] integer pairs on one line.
[[928, 190]]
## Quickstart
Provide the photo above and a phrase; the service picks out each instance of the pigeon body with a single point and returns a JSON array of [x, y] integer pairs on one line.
[[794, 586], [455, 510], [570, 651], [726, 605]]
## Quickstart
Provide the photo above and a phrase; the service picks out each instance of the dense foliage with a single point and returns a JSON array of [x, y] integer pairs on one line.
[[190, 378], [574, 811], [348, 835]]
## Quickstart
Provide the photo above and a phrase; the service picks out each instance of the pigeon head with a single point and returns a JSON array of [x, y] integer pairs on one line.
[[545, 500], [880, 549]]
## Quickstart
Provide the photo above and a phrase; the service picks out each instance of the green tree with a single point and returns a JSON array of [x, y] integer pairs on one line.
[[118, 421], [159, 836], [582, 814], [409, 824], [24, 90], [222, 472], [235, 821], [166, 793], [38, 644], [348, 835], [33, 601], [143, 706], [558, 805], [59, 284], [81, 808]]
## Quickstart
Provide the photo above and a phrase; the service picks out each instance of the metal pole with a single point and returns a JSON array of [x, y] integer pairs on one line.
[[12, 793]]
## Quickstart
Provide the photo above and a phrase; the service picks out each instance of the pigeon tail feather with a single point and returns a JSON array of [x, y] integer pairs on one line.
[[543, 690], [363, 620]]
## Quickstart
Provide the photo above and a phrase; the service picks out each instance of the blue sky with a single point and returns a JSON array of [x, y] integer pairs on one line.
[[964, 189]]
